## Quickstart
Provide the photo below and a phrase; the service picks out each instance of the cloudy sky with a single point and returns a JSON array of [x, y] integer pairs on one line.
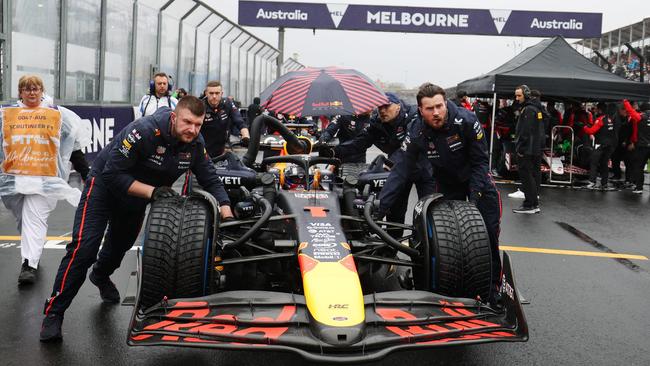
[[412, 58]]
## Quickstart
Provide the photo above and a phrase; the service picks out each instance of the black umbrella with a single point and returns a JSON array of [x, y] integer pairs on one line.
[[325, 91]]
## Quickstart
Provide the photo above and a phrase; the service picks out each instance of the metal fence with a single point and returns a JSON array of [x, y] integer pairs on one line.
[[105, 51]]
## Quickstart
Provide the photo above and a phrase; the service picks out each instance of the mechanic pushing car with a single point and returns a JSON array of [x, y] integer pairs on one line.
[[453, 142], [386, 130], [220, 114], [346, 128], [137, 167]]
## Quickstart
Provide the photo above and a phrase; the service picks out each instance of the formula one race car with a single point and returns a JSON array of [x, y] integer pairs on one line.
[[305, 267]]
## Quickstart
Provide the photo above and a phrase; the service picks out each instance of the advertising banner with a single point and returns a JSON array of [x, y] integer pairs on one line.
[[494, 22], [105, 122]]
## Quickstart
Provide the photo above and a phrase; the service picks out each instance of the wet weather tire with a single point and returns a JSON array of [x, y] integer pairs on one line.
[[176, 250], [460, 249]]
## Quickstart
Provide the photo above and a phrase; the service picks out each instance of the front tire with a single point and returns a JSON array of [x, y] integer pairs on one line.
[[177, 250], [459, 251]]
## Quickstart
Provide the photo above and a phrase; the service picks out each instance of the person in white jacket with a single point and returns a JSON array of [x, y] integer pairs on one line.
[[158, 96], [37, 141]]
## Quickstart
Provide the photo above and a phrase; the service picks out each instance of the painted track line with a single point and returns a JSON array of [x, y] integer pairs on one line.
[[572, 252], [510, 248]]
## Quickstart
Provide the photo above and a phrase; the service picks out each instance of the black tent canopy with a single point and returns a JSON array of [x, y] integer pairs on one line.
[[557, 70]]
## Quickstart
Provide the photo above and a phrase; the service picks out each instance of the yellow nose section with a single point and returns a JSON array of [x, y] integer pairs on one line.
[[333, 291]]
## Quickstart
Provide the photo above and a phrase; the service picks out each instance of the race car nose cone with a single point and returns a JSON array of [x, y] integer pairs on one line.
[[341, 336]]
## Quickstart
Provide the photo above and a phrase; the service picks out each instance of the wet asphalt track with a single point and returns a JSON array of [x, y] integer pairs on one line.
[[583, 311]]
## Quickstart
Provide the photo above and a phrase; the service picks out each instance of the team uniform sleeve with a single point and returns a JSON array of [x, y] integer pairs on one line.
[[404, 173], [207, 175], [358, 145], [124, 155], [593, 129], [235, 116], [331, 130], [478, 157], [143, 103]]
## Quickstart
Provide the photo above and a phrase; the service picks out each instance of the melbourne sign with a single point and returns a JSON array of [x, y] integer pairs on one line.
[[420, 20]]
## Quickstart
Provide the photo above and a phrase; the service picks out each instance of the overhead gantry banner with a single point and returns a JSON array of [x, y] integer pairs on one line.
[[420, 20]]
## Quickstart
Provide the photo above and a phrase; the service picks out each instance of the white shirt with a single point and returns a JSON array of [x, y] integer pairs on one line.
[[150, 103]]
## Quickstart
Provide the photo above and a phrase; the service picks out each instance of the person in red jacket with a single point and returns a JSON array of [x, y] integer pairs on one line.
[[605, 133], [640, 142], [462, 100]]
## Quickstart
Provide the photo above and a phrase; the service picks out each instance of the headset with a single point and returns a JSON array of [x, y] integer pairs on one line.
[[526, 90], [170, 85]]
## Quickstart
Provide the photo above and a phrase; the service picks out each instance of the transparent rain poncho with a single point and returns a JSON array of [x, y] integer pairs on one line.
[[74, 135]]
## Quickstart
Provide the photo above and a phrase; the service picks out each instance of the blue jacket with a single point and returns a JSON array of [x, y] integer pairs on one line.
[[145, 151], [387, 137], [346, 128], [456, 154], [217, 123]]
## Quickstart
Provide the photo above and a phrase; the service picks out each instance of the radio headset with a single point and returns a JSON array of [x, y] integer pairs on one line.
[[526, 90], [170, 85], [152, 92]]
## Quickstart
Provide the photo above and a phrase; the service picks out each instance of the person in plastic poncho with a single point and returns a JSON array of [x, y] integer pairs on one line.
[[38, 139]]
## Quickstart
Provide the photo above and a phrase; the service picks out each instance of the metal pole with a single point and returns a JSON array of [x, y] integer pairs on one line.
[[230, 87], [255, 70], [247, 89], [102, 51], [159, 36], [196, 41], [134, 50], [279, 61], [494, 111], [63, 52], [210, 46], [180, 44]]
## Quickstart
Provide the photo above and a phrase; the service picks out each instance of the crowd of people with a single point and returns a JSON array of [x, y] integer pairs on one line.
[[626, 63], [438, 145]]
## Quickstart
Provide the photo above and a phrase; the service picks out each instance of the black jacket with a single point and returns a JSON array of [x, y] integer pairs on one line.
[[387, 137], [347, 128], [456, 154], [216, 125], [253, 111], [530, 127], [145, 151]]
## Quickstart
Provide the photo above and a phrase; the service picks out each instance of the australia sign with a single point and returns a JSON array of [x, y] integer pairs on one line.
[[420, 20]]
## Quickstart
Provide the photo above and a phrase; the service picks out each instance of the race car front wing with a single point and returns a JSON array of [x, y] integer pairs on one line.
[[264, 320]]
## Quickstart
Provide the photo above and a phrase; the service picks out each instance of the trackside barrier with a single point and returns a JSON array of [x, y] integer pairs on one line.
[[550, 172]]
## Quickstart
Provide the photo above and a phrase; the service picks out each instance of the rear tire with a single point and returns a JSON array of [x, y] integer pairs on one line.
[[177, 250], [460, 250]]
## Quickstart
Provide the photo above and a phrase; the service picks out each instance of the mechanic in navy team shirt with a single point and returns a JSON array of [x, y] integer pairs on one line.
[[346, 128], [220, 114], [452, 140], [386, 130], [137, 167]]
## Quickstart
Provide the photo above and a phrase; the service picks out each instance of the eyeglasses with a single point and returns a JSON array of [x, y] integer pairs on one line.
[[30, 90]]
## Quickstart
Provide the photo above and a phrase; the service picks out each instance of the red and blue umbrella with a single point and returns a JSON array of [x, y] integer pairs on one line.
[[327, 91]]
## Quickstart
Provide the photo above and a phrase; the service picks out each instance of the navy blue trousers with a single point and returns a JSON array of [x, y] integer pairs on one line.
[[97, 209]]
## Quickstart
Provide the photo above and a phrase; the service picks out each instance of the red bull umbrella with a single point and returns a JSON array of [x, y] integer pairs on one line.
[[325, 91]]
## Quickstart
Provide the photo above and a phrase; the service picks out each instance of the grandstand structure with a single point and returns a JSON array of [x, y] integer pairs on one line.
[[621, 50], [101, 52]]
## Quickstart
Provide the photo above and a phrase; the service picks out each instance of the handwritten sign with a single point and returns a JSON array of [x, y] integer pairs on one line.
[[31, 141]]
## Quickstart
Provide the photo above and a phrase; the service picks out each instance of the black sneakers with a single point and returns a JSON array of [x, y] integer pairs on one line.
[[27, 274], [527, 210], [51, 328], [107, 289]]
